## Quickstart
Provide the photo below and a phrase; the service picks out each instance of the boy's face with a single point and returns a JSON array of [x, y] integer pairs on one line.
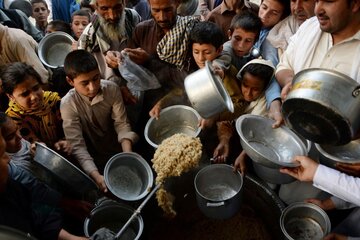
[[40, 12], [12, 137], [28, 94], [242, 41], [251, 87], [204, 52], [270, 13], [4, 161], [78, 25], [87, 84]]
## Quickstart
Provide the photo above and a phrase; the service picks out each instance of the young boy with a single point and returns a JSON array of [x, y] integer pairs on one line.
[[94, 116], [79, 20], [40, 12], [243, 33]]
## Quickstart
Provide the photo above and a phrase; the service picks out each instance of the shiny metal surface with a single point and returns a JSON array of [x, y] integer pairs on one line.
[[348, 153], [207, 93], [65, 171], [323, 106], [172, 120], [305, 221], [128, 176], [271, 175], [218, 191], [8, 233], [53, 49], [268, 146], [113, 215]]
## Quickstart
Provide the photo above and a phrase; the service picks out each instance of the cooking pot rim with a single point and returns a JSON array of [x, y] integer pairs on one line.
[[335, 158]]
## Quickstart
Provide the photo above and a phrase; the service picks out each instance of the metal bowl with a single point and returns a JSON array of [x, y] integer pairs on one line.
[[53, 49], [172, 120], [9, 233], [304, 221], [128, 176], [66, 172], [207, 93], [268, 146], [330, 155]]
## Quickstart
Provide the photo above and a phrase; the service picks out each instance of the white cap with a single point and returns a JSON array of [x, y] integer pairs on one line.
[[256, 61]]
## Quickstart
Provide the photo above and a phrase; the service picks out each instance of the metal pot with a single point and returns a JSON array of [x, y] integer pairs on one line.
[[304, 221], [323, 106], [128, 176], [207, 93], [9, 233], [218, 191], [53, 49], [23, 5], [348, 153], [113, 215], [174, 119]]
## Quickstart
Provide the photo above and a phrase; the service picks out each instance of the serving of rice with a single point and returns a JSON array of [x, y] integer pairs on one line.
[[174, 156]]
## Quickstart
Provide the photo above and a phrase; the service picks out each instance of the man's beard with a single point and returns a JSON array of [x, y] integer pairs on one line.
[[114, 31]]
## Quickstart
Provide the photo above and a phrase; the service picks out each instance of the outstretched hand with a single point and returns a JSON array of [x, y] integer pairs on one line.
[[304, 172]]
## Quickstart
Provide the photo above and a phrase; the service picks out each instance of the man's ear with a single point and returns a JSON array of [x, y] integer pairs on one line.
[[71, 82], [11, 97]]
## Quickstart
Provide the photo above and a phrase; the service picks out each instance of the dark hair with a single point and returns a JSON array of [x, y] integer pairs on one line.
[[39, 1], [3, 119], [207, 33], [16, 73], [80, 12], [261, 71], [286, 5], [59, 25], [78, 62], [247, 21]]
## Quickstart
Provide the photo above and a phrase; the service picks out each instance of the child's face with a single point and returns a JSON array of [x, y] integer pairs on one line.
[[251, 87], [204, 52], [11, 134], [28, 94], [49, 29], [242, 41], [270, 12], [4, 161], [78, 25], [87, 84], [40, 12]]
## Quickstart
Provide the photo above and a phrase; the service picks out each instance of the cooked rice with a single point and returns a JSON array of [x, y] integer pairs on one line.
[[174, 156]]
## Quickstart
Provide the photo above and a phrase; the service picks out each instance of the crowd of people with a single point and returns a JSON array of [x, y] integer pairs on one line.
[[89, 109]]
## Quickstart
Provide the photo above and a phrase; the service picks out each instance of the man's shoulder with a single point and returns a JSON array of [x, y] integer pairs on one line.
[[215, 13], [68, 99], [145, 24]]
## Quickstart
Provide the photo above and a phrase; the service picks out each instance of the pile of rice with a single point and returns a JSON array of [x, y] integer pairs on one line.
[[174, 156]]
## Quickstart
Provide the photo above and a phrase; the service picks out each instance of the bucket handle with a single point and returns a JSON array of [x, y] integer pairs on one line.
[[217, 204], [356, 91]]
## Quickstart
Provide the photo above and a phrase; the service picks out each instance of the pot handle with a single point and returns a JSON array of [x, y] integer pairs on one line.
[[356, 91], [218, 204]]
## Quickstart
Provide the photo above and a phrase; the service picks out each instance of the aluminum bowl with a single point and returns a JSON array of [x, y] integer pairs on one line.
[[53, 49], [172, 120], [304, 221], [268, 146], [128, 176], [10, 233], [330, 155], [207, 93]]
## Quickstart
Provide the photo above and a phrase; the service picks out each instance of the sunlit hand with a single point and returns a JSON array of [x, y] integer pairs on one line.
[[275, 113], [221, 152], [304, 172], [63, 146], [137, 55], [240, 163], [99, 180], [285, 90], [112, 59], [155, 111]]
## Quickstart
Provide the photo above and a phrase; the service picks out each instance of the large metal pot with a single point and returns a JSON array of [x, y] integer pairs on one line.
[[53, 49], [323, 106], [218, 191], [8, 233], [173, 119], [113, 215], [207, 93], [23, 5], [128, 176], [304, 221]]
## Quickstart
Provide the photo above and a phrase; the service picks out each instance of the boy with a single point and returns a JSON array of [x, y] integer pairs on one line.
[[79, 20], [40, 12], [94, 116]]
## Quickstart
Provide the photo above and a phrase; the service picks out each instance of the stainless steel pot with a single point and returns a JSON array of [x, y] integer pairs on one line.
[[218, 191], [207, 93], [53, 49], [323, 106], [173, 119], [113, 215], [8, 233], [304, 221], [128, 176]]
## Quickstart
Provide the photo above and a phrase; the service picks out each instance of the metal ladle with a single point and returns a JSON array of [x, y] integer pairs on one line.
[[136, 212]]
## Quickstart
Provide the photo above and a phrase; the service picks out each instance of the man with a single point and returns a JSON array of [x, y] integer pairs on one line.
[[331, 41], [110, 30]]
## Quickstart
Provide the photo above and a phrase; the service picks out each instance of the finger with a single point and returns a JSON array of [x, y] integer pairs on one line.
[[276, 124]]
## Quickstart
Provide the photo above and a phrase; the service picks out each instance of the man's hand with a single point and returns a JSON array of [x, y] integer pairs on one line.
[[99, 180], [285, 90], [63, 146], [326, 204], [112, 59], [221, 152], [240, 163], [155, 111], [137, 55], [304, 172], [275, 113]]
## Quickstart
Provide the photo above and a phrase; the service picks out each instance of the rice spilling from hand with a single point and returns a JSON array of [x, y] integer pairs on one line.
[[174, 156]]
